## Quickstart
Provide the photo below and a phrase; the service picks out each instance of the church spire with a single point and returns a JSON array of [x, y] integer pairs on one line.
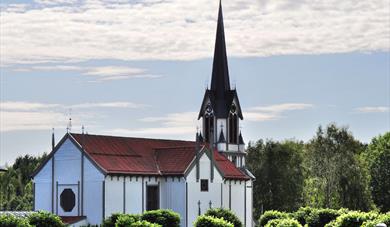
[[220, 77]]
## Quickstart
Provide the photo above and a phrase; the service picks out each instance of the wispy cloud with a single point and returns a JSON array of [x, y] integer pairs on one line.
[[16, 116], [273, 112], [100, 73], [182, 123], [373, 109], [184, 29]]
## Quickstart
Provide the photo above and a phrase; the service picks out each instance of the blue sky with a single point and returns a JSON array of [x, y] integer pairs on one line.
[[139, 68]]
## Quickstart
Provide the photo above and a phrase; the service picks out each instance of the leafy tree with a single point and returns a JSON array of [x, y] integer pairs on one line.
[[279, 171], [337, 175], [16, 184], [377, 157]]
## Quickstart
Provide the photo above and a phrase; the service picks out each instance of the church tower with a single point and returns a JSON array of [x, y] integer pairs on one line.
[[221, 111]]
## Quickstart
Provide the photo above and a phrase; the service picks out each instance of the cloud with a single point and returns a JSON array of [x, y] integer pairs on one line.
[[100, 73], [273, 112], [373, 109], [182, 123], [16, 116], [117, 73], [42, 120], [68, 31], [25, 106]]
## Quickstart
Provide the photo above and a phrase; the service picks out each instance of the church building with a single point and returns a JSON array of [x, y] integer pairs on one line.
[[88, 177]]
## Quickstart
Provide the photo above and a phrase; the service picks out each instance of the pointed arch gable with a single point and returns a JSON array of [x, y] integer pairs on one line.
[[58, 146]]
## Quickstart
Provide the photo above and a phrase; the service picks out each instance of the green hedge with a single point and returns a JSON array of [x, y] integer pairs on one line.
[[288, 222], [352, 219], [382, 218], [9, 220], [165, 218], [45, 219], [226, 215], [321, 217], [125, 220], [209, 221], [302, 214], [270, 215], [144, 224], [111, 220]]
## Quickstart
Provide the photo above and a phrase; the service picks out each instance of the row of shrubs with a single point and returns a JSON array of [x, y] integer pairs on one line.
[[156, 218], [167, 218], [38, 219], [311, 217]]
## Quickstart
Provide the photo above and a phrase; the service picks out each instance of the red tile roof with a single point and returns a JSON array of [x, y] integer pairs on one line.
[[141, 156]]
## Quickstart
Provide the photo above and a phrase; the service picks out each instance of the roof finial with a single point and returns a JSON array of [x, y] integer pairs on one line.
[[69, 126], [82, 129], [53, 142]]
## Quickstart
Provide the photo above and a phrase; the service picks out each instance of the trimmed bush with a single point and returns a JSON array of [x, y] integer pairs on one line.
[[125, 220], [9, 220], [270, 215], [226, 215], [352, 219], [302, 214], [209, 221], [321, 217], [144, 224], [383, 218], [288, 222], [45, 219], [111, 220], [165, 218]]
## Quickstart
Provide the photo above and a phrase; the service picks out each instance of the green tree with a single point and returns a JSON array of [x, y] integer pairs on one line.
[[377, 157], [279, 172], [337, 176], [16, 185]]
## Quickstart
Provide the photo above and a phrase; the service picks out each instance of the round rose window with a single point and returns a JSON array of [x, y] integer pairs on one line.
[[67, 200]]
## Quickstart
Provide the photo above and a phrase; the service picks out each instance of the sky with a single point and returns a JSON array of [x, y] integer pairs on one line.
[[140, 68]]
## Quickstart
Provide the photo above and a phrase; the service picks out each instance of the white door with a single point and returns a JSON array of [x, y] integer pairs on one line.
[[68, 200]]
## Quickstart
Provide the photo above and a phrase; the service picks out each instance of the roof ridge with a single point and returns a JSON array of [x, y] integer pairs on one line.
[[127, 137], [173, 147], [120, 155]]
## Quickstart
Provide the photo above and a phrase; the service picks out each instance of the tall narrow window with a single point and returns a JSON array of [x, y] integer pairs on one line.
[[152, 197], [208, 123], [233, 125]]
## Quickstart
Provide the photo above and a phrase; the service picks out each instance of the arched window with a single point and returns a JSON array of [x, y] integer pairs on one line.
[[208, 123], [233, 125]]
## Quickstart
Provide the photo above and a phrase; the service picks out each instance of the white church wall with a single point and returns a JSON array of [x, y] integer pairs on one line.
[[113, 195], [133, 195], [237, 197], [194, 191], [173, 195], [93, 193], [225, 195], [249, 197], [43, 188], [67, 171]]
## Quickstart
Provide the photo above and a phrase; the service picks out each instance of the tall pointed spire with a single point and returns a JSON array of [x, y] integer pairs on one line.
[[220, 76]]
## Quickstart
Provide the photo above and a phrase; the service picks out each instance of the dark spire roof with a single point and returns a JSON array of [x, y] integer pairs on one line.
[[221, 138], [220, 77], [240, 139], [220, 95]]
